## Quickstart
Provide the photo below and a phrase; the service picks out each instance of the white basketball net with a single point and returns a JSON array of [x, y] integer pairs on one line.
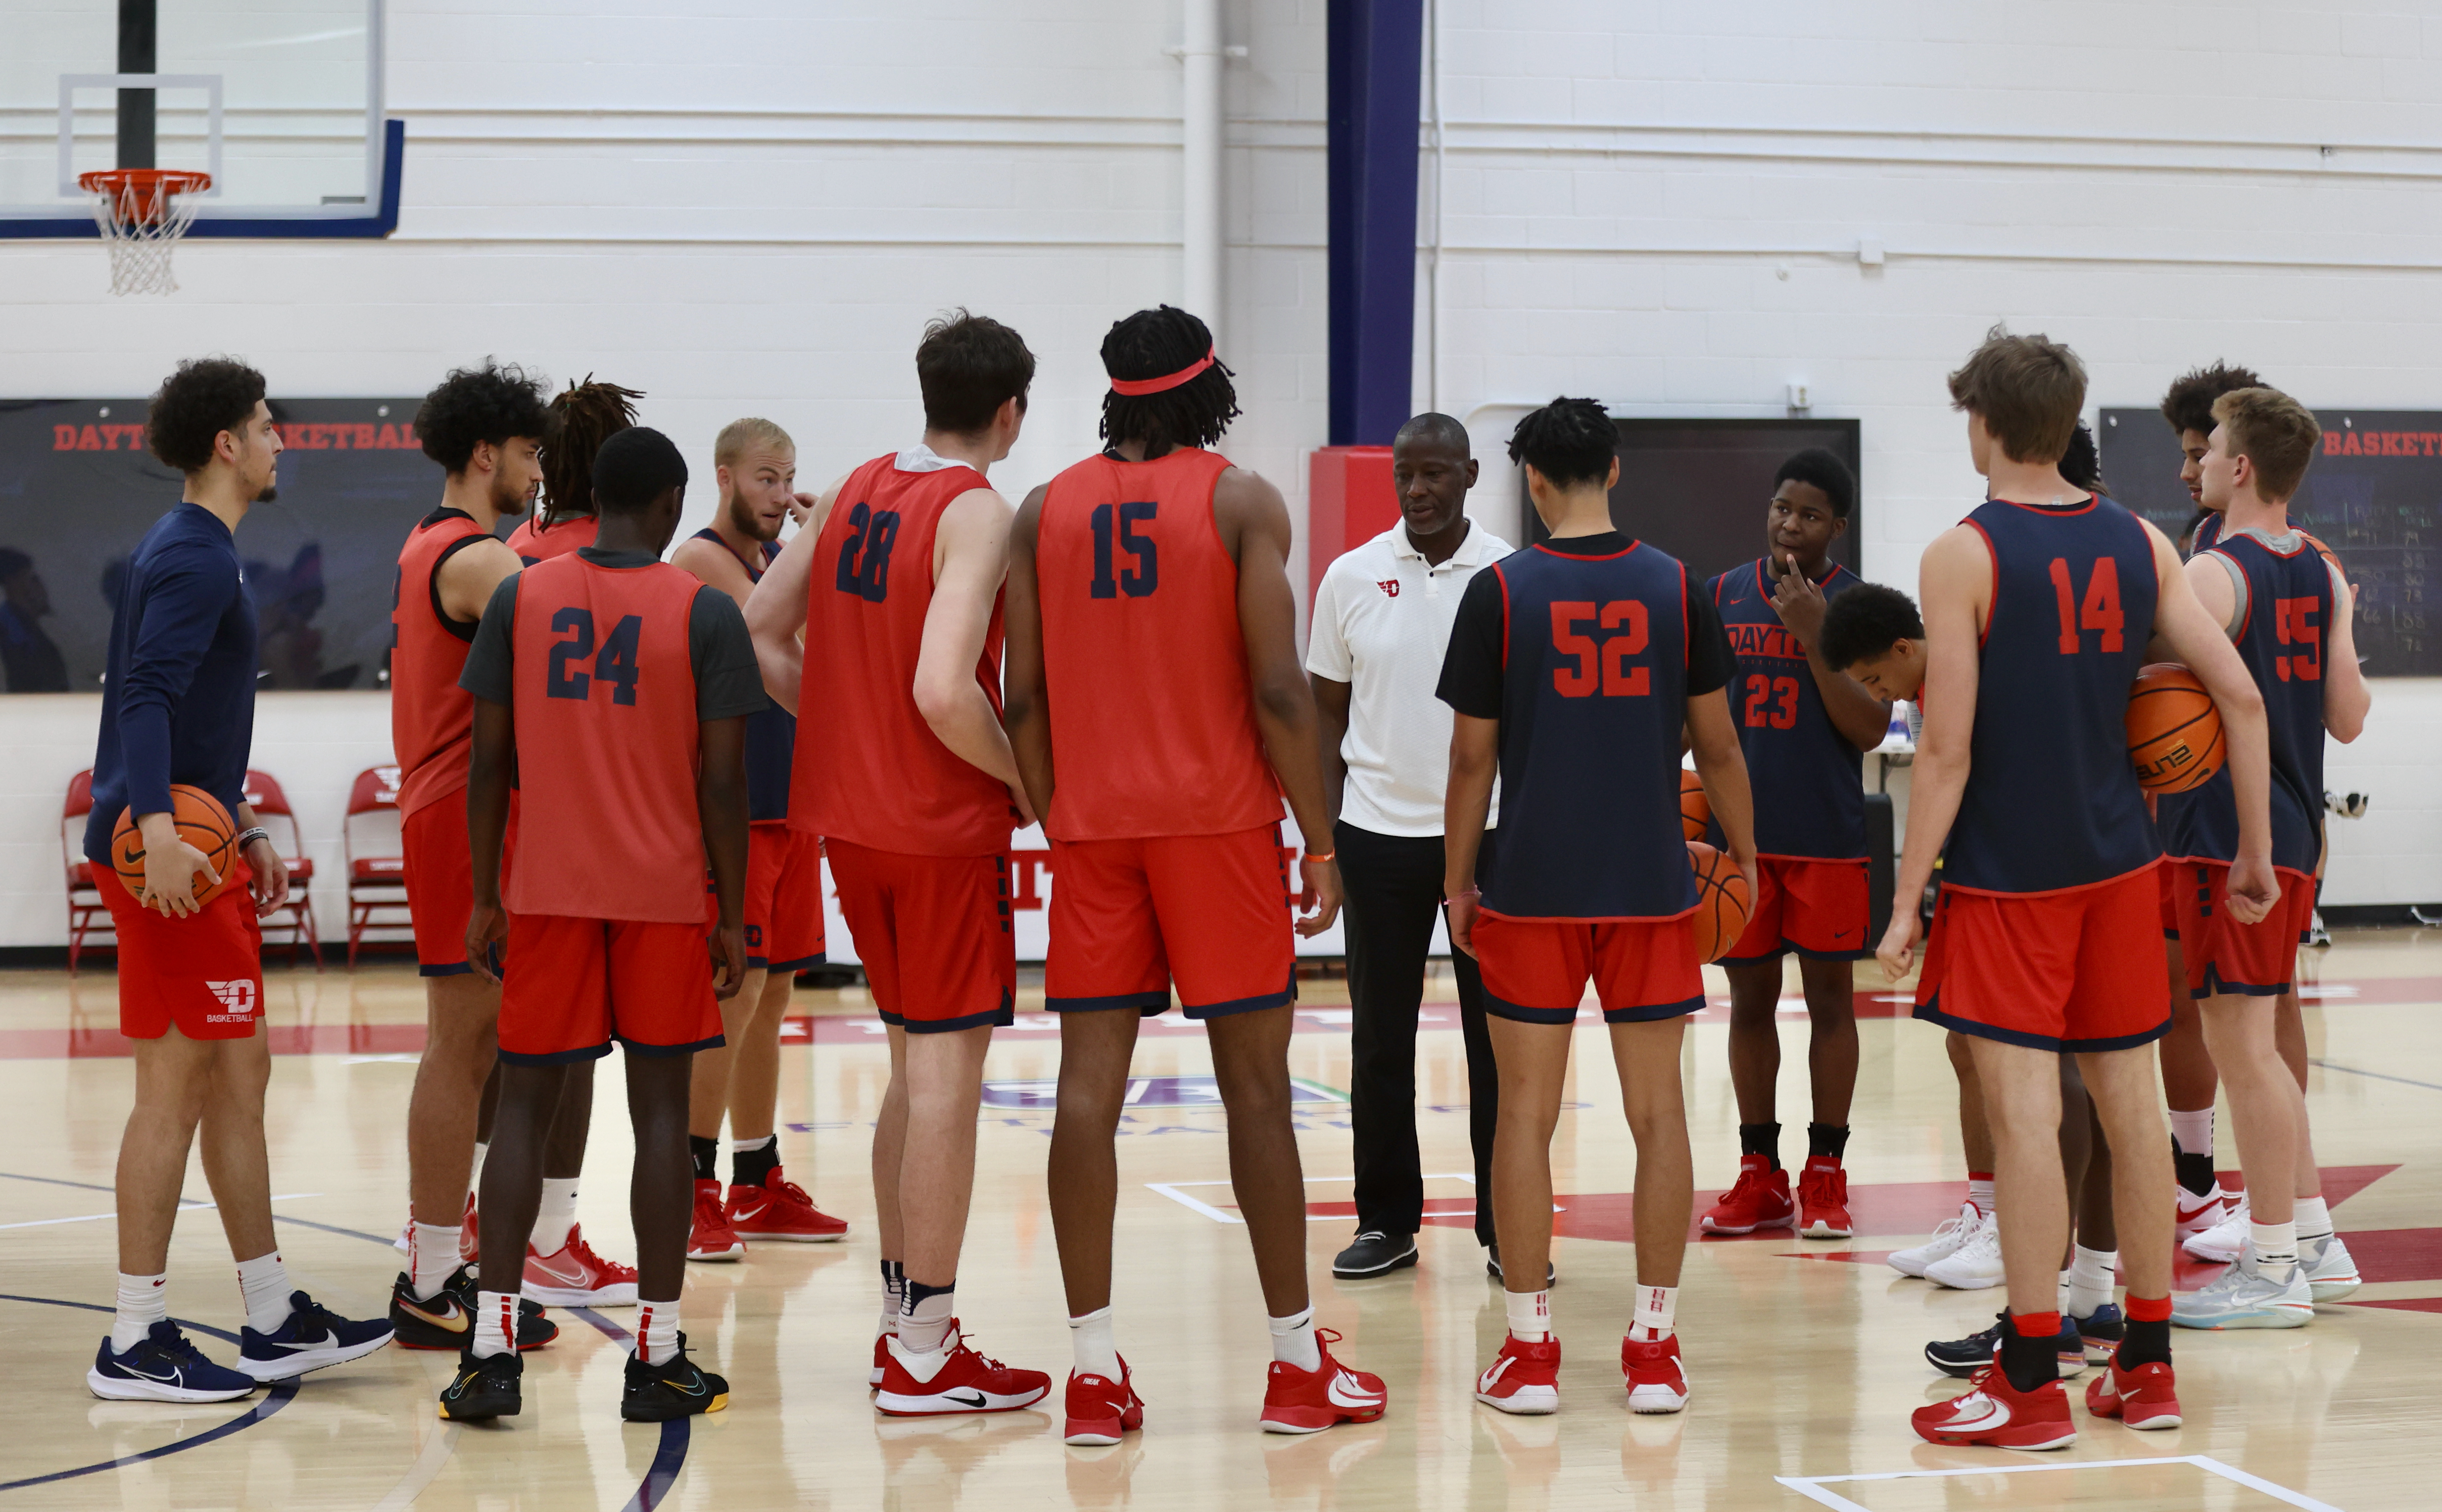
[[141, 225]]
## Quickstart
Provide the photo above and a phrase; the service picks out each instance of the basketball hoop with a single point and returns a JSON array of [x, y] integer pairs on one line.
[[141, 218]]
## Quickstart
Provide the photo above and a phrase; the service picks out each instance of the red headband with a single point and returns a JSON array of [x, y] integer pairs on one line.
[[1137, 386]]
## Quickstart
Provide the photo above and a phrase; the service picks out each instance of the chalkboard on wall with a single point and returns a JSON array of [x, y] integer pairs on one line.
[[2373, 495]]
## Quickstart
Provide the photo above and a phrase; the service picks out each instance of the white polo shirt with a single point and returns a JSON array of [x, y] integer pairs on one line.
[[1381, 625]]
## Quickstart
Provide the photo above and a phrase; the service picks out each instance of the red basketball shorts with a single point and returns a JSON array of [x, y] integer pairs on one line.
[[201, 973], [440, 883], [2168, 897], [933, 934], [573, 985], [1208, 913], [784, 896], [1535, 970], [2069, 971], [2221, 955], [1816, 908]]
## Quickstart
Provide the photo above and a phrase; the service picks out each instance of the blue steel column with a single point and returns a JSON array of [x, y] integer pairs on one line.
[[1374, 72]]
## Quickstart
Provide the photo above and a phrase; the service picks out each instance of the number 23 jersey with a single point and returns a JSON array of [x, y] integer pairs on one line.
[[1807, 780]]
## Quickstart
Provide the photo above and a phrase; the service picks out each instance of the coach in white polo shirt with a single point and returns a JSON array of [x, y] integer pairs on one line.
[[1381, 622]]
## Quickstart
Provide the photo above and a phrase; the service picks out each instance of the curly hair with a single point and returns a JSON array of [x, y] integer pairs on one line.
[[1825, 470], [206, 396], [585, 415], [1866, 622], [2081, 464], [2187, 405], [1154, 344], [1568, 441], [474, 404]]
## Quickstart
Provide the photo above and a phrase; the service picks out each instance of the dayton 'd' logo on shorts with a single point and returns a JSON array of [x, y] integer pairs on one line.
[[237, 998]]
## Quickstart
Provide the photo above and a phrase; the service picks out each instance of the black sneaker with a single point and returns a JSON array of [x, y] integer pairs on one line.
[[448, 1318], [482, 1389], [674, 1388], [1963, 1357], [1375, 1253], [1492, 1268]]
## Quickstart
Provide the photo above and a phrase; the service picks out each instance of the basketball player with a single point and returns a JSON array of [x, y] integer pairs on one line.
[[617, 688], [2288, 611], [177, 707], [1574, 669], [755, 466], [581, 419], [483, 424], [2038, 609], [1804, 727], [1159, 715], [905, 773]]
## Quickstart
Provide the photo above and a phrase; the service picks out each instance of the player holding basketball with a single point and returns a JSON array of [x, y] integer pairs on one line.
[[2038, 609], [616, 688], [1804, 726], [1159, 714], [2288, 611], [178, 707], [755, 466], [1575, 669], [483, 424], [903, 769], [582, 417]]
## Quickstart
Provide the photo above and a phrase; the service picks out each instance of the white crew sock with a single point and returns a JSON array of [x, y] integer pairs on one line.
[[1091, 1337], [264, 1282], [1293, 1340], [739, 1147], [555, 1216], [431, 1257], [2194, 1130], [657, 1331], [2313, 1216], [1657, 1313], [496, 1324], [2061, 1293], [894, 1295], [1530, 1315], [2090, 1279], [2276, 1248], [1980, 1193], [144, 1301], [475, 1172], [924, 1318]]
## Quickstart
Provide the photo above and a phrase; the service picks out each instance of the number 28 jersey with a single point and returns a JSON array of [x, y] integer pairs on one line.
[[1807, 780]]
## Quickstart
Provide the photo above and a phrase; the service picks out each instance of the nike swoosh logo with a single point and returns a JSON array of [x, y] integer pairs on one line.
[[568, 1276], [172, 1379], [747, 1215], [311, 1343], [455, 1320], [1993, 1415], [1492, 1377], [974, 1400], [1345, 1393]]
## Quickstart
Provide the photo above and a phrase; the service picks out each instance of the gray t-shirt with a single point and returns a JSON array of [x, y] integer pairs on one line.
[[728, 683]]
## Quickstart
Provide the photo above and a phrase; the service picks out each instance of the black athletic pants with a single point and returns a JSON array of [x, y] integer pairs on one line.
[[1394, 890]]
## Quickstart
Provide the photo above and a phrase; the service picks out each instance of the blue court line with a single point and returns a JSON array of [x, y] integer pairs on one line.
[[2379, 1076], [280, 1394]]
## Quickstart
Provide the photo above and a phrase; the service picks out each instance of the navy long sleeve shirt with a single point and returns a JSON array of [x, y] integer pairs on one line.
[[177, 703]]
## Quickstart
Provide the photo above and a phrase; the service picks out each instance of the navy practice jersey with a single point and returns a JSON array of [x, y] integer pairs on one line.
[[1809, 782], [771, 735], [2286, 603], [2051, 802], [1586, 650]]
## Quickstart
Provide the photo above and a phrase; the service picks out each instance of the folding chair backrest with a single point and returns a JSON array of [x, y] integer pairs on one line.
[[370, 828], [270, 805]]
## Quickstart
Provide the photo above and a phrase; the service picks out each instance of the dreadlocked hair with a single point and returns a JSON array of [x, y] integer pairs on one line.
[[585, 415], [1153, 344]]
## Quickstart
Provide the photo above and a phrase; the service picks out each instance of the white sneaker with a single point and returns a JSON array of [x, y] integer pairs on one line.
[[2330, 1273], [2225, 1241], [2242, 1298], [1946, 1242], [1976, 1264], [2191, 1214]]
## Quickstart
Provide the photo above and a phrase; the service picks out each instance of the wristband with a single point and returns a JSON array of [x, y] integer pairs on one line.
[[1471, 892], [1320, 855], [249, 837]]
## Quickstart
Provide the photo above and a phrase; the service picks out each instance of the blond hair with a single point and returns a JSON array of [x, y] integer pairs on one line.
[[2275, 432], [741, 436]]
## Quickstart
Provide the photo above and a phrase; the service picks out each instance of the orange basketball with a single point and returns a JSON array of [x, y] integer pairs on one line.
[[201, 822], [2173, 730], [1695, 812], [1721, 901]]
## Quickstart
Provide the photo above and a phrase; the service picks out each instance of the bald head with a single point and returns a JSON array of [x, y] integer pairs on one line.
[[1430, 471], [1437, 430]]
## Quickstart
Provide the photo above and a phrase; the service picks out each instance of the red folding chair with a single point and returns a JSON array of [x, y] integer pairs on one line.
[[85, 892], [271, 810], [377, 879]]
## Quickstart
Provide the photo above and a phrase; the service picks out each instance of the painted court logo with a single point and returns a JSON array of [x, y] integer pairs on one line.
[[237, 1000]]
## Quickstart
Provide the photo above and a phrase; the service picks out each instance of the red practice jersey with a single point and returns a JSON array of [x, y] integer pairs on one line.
[[432, 718], [868, 769], [607, 744], [538, 545], [1153, 714]]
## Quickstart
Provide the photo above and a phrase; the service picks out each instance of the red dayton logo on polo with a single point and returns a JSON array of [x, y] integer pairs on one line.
[[1389, 588]]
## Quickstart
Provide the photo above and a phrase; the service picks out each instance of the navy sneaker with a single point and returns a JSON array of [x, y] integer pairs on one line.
[[1963, 1357], [674, 1388], [484, 1389], [2101, 1332], [312, 1336], [163, 1367], [445, 1320]]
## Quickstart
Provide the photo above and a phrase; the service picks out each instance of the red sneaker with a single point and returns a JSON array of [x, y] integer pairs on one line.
[[1308, 1401], [468, 1253], [1656, 1382], [1101, 1409], [1759, 1200], [712, 1238], [1823, 1200], [1993, 1411], [1524, 1378], [2145, 1397], [2191, 1214], [881, 1361], [574, 1276], [780, 1210], [967, 1382]]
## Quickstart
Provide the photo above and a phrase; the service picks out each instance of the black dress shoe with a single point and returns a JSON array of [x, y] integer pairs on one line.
[[1375, 1253], [1492, 1267]]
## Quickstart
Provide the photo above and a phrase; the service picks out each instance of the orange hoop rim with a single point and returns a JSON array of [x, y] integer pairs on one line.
[[167, 180]]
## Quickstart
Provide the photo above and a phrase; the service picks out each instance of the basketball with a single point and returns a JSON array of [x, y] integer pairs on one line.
[[1721, 901], [2173, 730], [1695, 814], [201, 822]]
